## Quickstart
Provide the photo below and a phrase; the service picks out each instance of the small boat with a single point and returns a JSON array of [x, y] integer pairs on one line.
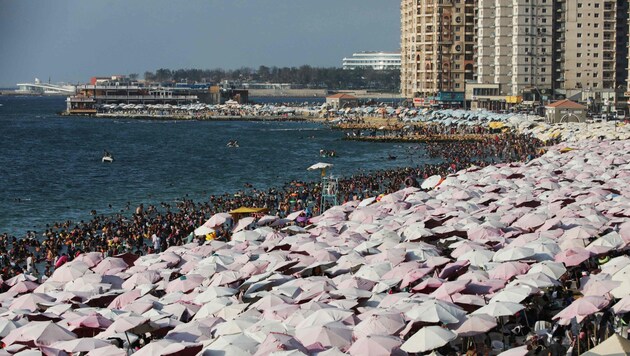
[[107, 159], [233, 143]]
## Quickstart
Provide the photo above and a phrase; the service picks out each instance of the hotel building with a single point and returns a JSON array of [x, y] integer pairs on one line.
[[373, 60]]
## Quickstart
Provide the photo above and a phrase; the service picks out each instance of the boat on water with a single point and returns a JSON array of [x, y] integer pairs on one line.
[[232, 143], [107, 158]]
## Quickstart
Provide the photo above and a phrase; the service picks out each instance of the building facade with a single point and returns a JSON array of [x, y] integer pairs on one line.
[[373, 60], [437, 40], [535, 50]]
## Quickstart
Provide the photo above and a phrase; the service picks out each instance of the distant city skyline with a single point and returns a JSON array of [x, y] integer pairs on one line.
[[72, 40]]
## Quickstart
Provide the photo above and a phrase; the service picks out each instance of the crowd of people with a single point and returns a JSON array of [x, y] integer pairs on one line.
[[155, 228]]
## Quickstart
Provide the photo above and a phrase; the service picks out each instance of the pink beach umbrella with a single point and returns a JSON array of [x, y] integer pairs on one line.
[[507, 270], [122, 300], [217, 220], [23, 287], [243, 223], [333, 334], [573, 256], [92, 321], [446, 290], [92, 259], [30, 302], [39, 333], [375, 345], [184, 283], [581, 308], [386, 323], [476, 325], [110, 264], [530, 222], [20, 278], [277, 341]]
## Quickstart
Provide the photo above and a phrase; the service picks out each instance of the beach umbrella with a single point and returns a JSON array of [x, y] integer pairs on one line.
[[23, 277], [279, 341], [166, 347], [110, 264], [30, 302], [431, 182], [554, 270], [376, 345], [385, 323], [128, 323], [622, 306], [80, 345], [22, 287], [107, 351], [92, 322], [573, 256], [530, 221], [266, 220], [507, 270], [39, 333], [69, 272], [581, 308], [498, 309], [141, 278], [236, 344], [436, 311], [513, 254], [243, 223], [614, 345], [477, 258], [428, 338], [599, 286], [184, 283], [333, 334], [514, 294], [217, 220], [92, 259], [475, 325], [7, 325]]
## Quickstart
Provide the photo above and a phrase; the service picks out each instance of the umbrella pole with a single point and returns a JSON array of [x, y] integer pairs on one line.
[[128, 342]]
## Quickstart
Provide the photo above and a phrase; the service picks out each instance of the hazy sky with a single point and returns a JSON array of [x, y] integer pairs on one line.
[[72, 40]]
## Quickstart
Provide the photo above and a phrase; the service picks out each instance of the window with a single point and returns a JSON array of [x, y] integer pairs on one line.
[[595, 75], [579, 35], [579, 55], [579, 65], [578, 75], [579, 45]]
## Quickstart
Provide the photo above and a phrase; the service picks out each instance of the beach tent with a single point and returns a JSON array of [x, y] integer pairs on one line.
[[613, 346]]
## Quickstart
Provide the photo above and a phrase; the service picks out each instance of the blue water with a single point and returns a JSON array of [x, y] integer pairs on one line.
[[51, 169]]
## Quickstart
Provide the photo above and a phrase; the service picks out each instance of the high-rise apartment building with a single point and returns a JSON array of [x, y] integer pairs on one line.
[[538, 50], [437, 40], [514, 44]]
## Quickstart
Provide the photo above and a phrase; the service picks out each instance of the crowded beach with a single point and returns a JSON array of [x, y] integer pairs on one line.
[[514, 245]]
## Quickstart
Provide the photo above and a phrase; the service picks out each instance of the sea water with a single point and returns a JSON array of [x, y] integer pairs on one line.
[[51, 169]]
